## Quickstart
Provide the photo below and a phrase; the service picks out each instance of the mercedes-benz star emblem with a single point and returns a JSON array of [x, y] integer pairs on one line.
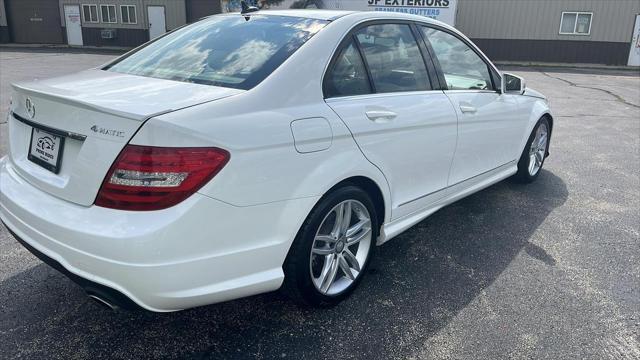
[[30, 107]]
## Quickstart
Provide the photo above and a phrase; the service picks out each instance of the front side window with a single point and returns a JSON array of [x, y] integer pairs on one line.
[[348, 76], [462, 67], [575, 23], [108, 13], [226, 50], [393, 57], [90, 13], [128, 14]]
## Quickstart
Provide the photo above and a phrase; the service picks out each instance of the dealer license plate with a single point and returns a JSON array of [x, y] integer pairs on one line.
[[46, 149]]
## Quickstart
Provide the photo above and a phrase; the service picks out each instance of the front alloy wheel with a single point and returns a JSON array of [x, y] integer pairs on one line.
[[538, 149], [534, 153]]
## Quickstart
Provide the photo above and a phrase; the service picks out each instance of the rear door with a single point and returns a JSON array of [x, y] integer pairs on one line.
[[490, 124], [379, 85]]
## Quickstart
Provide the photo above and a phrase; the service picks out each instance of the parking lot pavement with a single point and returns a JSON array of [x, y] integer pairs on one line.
[[546, 270]]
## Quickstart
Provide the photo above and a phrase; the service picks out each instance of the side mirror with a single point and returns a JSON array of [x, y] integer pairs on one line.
[[512, 84]]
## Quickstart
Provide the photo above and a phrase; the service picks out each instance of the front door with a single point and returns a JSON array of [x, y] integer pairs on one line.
[[402, 126], [634, 52], [157, 24], [490, 127], [73, 25]]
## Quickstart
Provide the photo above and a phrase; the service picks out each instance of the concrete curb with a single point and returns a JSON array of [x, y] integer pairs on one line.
[[64, 47], [567, 65]]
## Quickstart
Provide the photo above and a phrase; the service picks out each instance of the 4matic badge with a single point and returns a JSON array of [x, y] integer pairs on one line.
[[100, 130]]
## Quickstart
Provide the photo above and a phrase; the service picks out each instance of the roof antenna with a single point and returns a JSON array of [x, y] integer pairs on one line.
[[246, 8]]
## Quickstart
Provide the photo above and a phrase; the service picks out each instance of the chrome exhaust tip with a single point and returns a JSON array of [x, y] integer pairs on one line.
[[103, 302]]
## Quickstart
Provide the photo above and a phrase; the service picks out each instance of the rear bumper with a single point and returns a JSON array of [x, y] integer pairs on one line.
[[114, 297], [198, 252]]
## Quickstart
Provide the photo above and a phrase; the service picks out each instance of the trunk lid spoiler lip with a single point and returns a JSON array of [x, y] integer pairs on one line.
[[57, 94], [45, 92]]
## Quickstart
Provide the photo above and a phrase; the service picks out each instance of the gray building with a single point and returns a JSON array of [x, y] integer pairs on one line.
[[125, 23], [573, 31], [114, 23]]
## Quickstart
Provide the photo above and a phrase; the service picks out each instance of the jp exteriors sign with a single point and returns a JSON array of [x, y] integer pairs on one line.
[[443, 10]]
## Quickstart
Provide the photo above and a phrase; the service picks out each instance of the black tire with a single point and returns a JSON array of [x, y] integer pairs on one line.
[[523, 175], [298, 283]]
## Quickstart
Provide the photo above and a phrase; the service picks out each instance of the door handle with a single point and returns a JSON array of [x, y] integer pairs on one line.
[[468, 109], [380, 114]]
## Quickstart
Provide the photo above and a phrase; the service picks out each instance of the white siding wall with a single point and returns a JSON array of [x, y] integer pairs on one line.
[[540, 19], [175, 12]]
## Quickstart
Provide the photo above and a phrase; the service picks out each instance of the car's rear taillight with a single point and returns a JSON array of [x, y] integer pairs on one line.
[[154, 178]]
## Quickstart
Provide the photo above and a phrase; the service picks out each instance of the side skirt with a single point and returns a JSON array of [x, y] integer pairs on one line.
[[449, 195]]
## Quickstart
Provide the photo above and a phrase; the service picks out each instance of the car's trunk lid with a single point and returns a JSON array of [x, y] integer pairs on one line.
[[97, 112]]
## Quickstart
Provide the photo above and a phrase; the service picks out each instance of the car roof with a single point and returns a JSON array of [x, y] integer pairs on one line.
[[330, 15], [303, 13]]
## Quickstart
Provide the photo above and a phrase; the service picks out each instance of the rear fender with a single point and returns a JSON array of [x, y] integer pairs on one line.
[[265, 166]]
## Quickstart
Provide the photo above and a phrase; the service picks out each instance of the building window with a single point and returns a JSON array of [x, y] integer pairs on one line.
[[576, 23], [90, 13], [128, 14], [108, 13]]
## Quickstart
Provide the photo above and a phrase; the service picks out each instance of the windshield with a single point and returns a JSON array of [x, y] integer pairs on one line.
[[231, 51]]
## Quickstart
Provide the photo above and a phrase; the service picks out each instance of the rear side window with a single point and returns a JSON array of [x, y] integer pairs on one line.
[[394, 58], [463, 69], [348, 76], [229, 51]]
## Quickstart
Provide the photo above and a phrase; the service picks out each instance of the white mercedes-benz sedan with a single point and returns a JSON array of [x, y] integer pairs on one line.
[[250, 152]]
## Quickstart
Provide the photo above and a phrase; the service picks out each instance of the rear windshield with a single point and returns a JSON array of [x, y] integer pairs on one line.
[[230, 51]]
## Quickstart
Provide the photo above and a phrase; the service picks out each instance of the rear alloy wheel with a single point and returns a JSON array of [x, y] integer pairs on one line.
[[332, 249], [341, 244], [534, 153]]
